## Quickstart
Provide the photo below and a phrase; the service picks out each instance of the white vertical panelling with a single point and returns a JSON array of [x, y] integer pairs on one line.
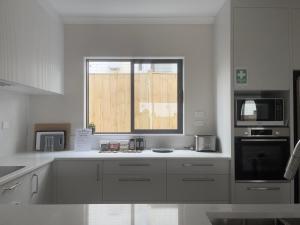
[[222, 76], [31, 45]]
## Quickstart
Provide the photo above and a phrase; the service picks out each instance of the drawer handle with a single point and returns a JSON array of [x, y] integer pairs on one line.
[[138, 164], [263, 188], [134, 180], [36, 184], [198, 179], [98, 173], [191, 165], [12, 187]]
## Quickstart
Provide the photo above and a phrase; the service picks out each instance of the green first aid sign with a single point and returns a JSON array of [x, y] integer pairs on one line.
[[241, 76]]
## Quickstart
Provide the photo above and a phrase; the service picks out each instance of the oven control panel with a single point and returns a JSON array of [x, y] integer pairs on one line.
[[262, 132]]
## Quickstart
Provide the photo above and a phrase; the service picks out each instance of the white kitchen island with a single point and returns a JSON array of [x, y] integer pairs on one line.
[[139, 214]]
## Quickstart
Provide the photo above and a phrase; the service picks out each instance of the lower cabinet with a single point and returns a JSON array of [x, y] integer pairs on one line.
[[266, 193], [141, 180], [41, 186], [146, 187], [16, 191], [78, 181], [34, 187], [198, 187], [138, 180], [198, 180]]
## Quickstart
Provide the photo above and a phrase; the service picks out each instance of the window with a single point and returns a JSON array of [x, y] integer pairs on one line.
[[135, 95]]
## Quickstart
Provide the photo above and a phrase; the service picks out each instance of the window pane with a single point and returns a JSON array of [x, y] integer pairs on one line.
[[155, 96], [109, 96]]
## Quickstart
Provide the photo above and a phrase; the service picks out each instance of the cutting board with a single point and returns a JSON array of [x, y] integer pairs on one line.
[[66, 127]]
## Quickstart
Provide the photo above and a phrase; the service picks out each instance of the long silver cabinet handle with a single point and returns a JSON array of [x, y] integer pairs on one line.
[[198, 179], [263, 188], [200, 164], [98, 173], [36, 184], [134, 164], [134, 180], [11, 188], [263, 140]]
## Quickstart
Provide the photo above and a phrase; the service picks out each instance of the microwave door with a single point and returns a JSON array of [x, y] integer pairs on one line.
[[259, 112], [249, 111]]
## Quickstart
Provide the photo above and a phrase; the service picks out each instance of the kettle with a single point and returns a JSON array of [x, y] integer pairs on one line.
[[205, 143]]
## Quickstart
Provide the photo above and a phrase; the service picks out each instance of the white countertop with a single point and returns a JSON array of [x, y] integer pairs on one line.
[[35, 160], [181, 214]]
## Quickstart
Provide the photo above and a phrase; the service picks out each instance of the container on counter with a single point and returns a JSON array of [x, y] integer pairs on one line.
[[131, 144]]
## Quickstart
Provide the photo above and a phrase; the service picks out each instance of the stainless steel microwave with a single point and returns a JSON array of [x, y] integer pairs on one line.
[[259, 112]]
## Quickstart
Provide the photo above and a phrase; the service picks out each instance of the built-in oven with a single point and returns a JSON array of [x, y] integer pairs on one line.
[[261, 154]]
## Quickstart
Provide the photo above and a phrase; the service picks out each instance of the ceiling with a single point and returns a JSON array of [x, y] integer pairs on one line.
[[136, 10]]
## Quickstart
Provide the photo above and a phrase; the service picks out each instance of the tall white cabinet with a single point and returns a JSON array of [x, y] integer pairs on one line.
[[262, 40], [296, 39], [31, 45], [262, 46]]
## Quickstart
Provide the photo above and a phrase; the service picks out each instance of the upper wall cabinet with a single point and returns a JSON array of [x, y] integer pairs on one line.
[[262, 47], [296, 39], [31, 45]]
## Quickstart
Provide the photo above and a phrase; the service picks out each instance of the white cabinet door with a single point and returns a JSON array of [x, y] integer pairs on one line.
[[16, 191], [198, 188], [296, 39], [78, 181], [262, 47], [41, 185], [267, 193], [31, 45]]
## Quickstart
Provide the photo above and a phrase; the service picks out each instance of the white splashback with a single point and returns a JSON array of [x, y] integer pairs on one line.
[[14, 109]]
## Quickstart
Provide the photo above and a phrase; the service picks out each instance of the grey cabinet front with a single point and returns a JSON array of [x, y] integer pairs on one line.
[[78, 181], [41, 185], [198, 187], [16, 191], [125, 187], [261, 38], [296, 39], [262, 193]]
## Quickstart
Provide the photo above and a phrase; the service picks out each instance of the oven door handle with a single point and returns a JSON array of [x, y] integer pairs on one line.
[[264, 140]]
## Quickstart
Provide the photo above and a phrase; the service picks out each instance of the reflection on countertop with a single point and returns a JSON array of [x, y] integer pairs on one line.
[[141, 214]]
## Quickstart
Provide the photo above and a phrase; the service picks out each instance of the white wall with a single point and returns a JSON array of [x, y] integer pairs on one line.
[[194, 42], [14, 108]]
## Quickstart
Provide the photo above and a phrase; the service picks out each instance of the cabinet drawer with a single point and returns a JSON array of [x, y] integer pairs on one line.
[[149, 187], [262, 193], [16, 191], [198, 187], [140, 166], [191, 166]]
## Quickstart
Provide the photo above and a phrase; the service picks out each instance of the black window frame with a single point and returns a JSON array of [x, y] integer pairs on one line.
[[133, 61]]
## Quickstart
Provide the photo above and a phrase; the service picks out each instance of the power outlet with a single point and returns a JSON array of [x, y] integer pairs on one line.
[[199, 123], [199, 115], [5, 125]]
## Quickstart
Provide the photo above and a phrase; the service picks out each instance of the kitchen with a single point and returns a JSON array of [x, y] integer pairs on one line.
[[225, 56]]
